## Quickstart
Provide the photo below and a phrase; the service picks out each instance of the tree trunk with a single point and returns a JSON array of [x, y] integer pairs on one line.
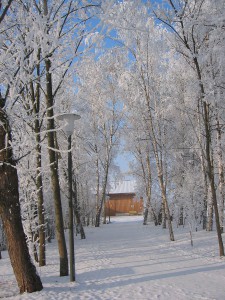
[[162, 185], [64, 268], [148, 184], [210, 171], [181, 216], [54, 175], [204, 175], [145, 221], [159, 165], [77, 210], [97, 216], [24, 270], [209, 224], [34, 241], [39, 182], [163, 215], [221, 175], [208, 153], [41, 210], [99, 211]]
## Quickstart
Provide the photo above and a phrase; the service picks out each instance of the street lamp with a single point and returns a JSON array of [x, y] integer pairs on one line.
[[68, 128]]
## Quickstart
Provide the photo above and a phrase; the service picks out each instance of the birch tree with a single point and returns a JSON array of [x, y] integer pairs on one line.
[[186, 20], [144, 45], [99, 85]]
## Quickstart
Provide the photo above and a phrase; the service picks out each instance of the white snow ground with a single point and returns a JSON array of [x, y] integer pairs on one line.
[[126, 260]]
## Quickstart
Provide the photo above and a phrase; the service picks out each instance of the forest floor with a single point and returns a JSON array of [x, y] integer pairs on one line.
[[126, 260]]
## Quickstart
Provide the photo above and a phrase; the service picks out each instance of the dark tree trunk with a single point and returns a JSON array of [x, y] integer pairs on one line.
[[41, 210], [210, 171], [99, 210], [98, 217], [163, 216], [64, 270], [146, 212], [24, 270], [77, 212], [35, 97], [209, 157], [160, 216], [148, 183], [181, 216], [145, 216], [34, 241]]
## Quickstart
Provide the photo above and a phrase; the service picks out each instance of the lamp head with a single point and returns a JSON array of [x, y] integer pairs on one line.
[[68, 120]]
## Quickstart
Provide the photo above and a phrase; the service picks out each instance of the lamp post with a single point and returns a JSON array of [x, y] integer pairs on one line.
[[68, 128]]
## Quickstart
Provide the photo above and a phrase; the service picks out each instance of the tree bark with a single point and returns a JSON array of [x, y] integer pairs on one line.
[[24, 270], [221, 175], [40, 196], [209, 156], [209, 224], [64, 270], [97, 217], [39, 182], [210, 171], [148, 183], [99, 211], [159, 166], [204, 175], [181, 216], [77, 210]]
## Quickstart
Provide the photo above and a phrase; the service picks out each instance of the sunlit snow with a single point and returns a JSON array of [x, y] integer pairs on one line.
[[126, 260]]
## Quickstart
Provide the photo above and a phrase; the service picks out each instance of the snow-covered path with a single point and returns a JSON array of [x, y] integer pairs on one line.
[[126, 260]]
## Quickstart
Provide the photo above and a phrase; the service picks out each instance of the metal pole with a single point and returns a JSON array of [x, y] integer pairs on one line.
[[71, 234]]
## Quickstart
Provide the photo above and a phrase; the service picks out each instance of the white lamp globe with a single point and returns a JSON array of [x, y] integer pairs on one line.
[[68, 119]]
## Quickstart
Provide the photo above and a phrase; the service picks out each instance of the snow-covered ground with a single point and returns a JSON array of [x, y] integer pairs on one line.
[[126, 260]]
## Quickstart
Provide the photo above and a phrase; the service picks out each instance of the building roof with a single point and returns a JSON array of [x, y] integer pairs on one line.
[[123, 187]]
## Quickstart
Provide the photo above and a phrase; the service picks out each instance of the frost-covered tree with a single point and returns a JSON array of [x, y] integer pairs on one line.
[[47, 40], [99, 88], [147, 47], [25, 272], [195, 25]]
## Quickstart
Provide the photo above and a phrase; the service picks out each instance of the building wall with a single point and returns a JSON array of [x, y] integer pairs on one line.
[[123, 204]]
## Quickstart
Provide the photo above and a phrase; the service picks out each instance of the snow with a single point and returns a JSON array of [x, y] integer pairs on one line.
[[123, 187], [126, 260]]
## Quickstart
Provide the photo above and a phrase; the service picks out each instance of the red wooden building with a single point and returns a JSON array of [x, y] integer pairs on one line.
[[122, 200]]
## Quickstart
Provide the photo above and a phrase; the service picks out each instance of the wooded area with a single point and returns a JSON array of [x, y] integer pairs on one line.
[[147, 78]]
